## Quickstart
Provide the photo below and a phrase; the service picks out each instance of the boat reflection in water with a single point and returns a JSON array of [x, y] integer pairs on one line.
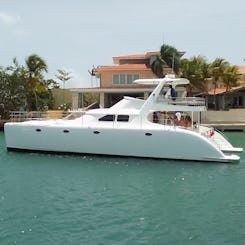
[[158, 127]]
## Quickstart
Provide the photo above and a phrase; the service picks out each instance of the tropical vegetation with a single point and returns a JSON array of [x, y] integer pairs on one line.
[[202, 75], [64, 76], [25, 86], [169, 57], [196, 70]]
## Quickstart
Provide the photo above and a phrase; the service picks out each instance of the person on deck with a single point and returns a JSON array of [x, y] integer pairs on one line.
[[171, 93]]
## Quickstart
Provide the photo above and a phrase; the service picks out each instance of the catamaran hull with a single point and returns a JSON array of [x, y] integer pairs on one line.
[[154, 143]]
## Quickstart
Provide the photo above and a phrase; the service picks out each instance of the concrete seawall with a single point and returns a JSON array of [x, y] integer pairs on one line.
[[231, 116], [234, 119]]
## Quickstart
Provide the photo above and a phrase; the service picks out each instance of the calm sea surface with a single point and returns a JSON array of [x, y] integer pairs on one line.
[[70, 199]]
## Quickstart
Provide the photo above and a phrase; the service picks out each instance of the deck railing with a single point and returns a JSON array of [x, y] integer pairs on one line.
[[191, 101], [186, 101], [21, 116]]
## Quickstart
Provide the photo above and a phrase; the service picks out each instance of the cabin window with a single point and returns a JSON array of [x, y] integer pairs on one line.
[[107, 118], [121, 79], [122, 118]]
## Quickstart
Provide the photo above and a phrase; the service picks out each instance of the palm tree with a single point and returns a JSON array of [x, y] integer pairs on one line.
[[230, 77], [35, 67], [169, 57], [216, 71], [196, 71], [156, 64]]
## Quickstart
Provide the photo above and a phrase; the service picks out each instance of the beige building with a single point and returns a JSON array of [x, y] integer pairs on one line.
[[117, 80]]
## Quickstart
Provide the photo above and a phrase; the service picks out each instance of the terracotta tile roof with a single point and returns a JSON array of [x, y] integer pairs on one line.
[[123, 67], [147, 55], [216, 91], [131, 57], [117, 59], [223, 90]]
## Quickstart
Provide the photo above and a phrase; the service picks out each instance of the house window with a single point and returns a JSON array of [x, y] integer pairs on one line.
[[121, 79], [116, 79]]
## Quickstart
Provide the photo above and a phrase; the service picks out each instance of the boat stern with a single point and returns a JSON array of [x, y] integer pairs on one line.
[[227, 158]]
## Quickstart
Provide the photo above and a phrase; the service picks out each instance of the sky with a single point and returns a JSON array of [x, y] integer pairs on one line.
[[75, 35]]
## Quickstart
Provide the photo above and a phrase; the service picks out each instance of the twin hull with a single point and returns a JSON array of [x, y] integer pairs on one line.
[[169, 143]]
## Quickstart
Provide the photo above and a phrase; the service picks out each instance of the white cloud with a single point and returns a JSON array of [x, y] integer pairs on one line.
[[9, 19]]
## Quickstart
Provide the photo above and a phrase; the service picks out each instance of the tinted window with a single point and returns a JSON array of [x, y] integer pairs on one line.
[[122, 118], [107, 118]]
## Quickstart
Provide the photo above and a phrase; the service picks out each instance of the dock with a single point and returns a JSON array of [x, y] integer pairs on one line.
[[231, 126]]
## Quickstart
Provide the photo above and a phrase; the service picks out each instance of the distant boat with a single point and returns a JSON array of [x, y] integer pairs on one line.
[[157, 127]]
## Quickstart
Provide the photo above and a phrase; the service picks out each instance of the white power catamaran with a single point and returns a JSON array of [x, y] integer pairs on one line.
[[157, 127]]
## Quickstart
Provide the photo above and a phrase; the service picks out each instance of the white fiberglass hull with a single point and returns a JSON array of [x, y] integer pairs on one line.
[[167, 143]]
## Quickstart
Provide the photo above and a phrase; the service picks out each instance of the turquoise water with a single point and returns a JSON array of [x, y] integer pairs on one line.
[[67, 199]]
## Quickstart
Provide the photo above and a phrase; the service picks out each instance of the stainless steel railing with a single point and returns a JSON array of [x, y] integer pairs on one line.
[[21, 116], [191, 101]]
